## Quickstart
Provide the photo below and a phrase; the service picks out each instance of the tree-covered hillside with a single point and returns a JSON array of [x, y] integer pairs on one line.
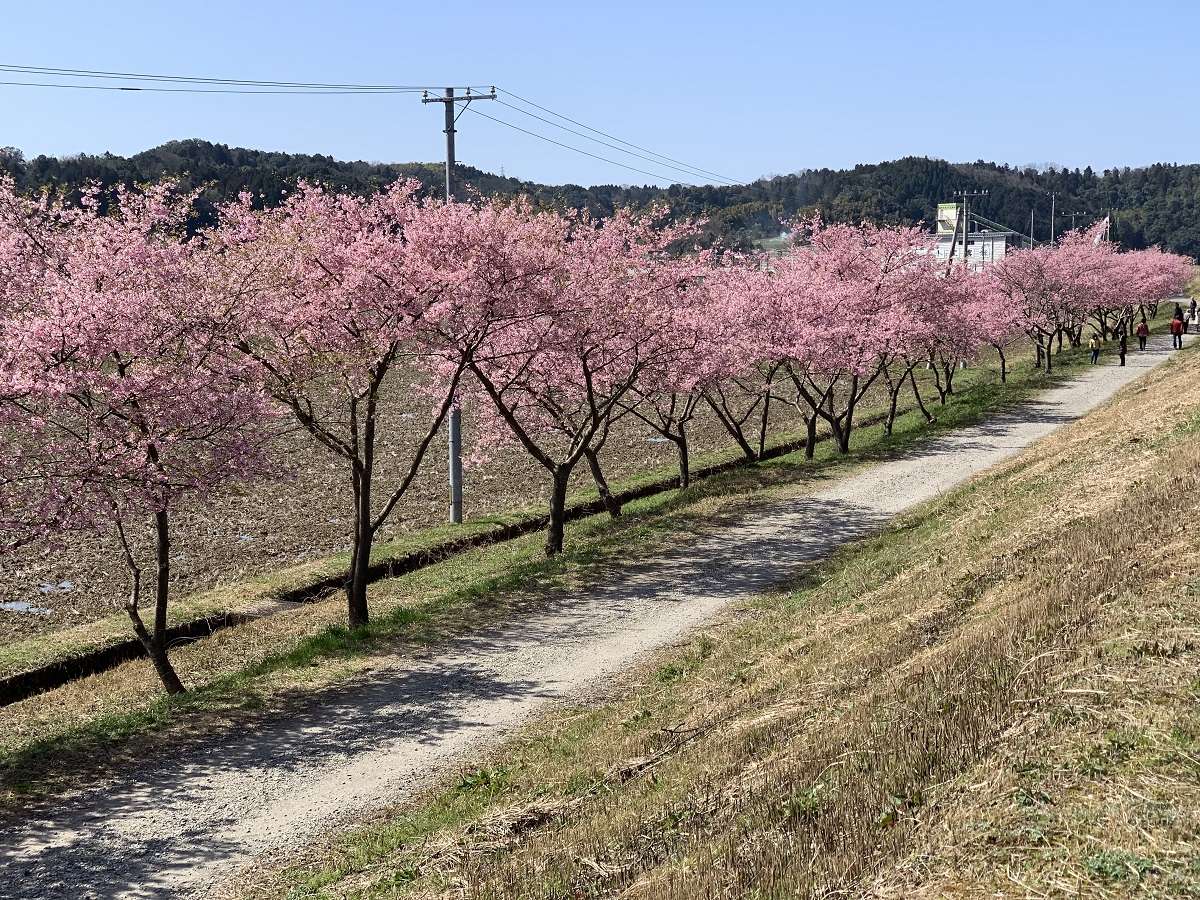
[[1159, 204]]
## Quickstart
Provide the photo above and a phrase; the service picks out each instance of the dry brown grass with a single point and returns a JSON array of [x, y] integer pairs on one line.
[[997, 697]]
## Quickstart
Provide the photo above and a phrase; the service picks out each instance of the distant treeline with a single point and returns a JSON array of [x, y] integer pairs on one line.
[[1159, 204]]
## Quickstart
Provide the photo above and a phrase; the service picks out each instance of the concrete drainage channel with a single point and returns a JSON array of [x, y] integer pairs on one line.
[[24, 685]]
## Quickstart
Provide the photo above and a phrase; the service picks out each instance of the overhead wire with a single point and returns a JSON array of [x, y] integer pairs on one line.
[[690, 171], [203, 79], [195, 84], [543, 137], [197, 90], [613, 137]]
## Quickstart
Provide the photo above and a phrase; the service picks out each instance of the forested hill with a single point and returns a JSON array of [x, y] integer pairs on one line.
[[1159, 204]]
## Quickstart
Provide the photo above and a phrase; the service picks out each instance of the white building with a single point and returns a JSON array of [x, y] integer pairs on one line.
[[983, 247], [987, 242]]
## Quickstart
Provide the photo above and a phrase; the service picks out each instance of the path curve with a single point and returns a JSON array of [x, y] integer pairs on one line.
[[189, 820]]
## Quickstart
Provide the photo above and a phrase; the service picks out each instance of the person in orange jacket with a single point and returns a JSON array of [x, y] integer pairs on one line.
[[1177, 331], [1142, 331]]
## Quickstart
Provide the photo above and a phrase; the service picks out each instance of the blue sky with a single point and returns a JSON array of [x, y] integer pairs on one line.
[[745, 89]]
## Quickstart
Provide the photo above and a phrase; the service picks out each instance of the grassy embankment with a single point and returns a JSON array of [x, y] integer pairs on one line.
[[997, 696], [49, 739]]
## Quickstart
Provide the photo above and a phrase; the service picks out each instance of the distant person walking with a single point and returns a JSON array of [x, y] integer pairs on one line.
[[1191, 317], [1122, 346], [1142, 331], [1094, 346], [1177, 330]]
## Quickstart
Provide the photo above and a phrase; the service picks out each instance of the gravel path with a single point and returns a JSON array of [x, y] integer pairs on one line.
[[185, 822]]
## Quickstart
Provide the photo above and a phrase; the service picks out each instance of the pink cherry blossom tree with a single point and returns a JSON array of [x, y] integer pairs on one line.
[[744, 361], [1030, 281], [927, 329], [119, 406], [850, 289], [338, 299], [999, 322], [1059, 289], [671, 390], [1152, 275], [603, 315]]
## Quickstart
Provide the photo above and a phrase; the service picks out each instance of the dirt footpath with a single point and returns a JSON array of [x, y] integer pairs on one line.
[[184, 823]]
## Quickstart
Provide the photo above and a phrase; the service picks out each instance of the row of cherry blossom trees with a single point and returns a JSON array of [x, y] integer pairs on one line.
[[143, 363], [1053, 293]]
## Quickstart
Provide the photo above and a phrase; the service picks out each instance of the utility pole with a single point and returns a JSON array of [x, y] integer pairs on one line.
[[1073, 216], [966, 217], [454, 421], [1031, 209], [1053, 197]]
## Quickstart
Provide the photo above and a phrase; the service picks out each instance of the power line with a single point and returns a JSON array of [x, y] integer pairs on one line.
[[203, 79], [613, 137], [691, 171], [186, 84], [542, 137], [183, 90]]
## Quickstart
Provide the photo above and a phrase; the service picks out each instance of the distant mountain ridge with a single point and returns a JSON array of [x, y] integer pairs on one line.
[[1158, 204]]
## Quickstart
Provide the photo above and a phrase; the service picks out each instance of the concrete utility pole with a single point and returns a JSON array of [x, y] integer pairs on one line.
[[966, 205], [1053, 197], [966, 218], [1031, 227], [454, 421]]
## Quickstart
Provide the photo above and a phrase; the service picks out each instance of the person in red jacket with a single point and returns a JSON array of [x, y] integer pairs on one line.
[[1177, 331], [1142, 331]]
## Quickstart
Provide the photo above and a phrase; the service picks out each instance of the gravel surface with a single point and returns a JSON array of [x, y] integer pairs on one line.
[[184, 823]]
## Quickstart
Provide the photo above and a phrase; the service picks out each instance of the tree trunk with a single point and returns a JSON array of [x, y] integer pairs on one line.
[[762, 427], [841, 435], [917, 396], [937, 381], [948, 371], [810, 445], [156, 642], [360, 559], [1003, 364], [558, 511], [847, 425], [606, 496], [734, 429], [893, 399], [685, 469]]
